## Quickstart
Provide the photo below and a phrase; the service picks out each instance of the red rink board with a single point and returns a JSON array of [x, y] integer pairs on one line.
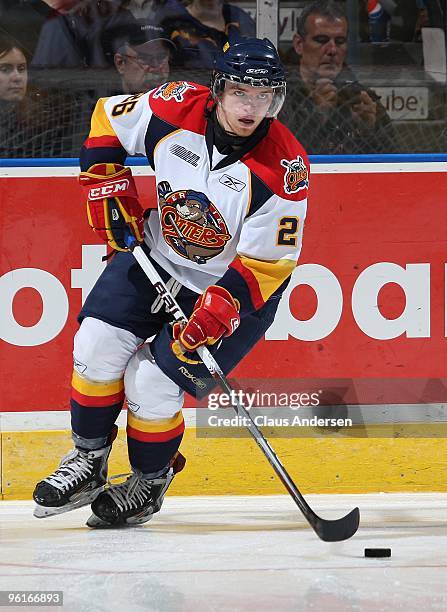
[[354, 221]]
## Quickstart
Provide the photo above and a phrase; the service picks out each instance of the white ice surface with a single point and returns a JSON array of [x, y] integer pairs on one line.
[[234, 553]]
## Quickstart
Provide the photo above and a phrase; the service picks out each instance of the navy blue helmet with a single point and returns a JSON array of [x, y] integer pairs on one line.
[[254, 62]]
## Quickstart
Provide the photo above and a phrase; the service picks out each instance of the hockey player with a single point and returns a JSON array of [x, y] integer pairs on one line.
[[232, 184]]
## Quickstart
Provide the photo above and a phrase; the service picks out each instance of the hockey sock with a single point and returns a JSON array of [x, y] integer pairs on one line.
[[95, 406], [152, 443]]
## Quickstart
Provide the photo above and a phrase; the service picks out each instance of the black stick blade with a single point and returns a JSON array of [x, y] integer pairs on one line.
[[338, 530]]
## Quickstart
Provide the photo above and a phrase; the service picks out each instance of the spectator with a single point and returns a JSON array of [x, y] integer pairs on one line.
[[72, 36], [200, 27], [329, 111], [29, 125], [23, 19], [13, 72], [141, 58]]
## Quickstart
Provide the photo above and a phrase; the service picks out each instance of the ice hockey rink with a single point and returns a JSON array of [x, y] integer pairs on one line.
[[234, 553]]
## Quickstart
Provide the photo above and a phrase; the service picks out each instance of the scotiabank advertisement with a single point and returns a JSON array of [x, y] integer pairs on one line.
[[366, 304]]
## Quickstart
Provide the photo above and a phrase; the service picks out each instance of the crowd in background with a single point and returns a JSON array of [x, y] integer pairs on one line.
[[58, 56]]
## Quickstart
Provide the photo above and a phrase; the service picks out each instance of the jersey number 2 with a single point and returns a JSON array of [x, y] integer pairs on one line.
[[287, 233]]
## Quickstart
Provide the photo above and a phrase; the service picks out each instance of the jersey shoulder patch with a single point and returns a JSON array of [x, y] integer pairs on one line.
[[181, 104], [281, 162]]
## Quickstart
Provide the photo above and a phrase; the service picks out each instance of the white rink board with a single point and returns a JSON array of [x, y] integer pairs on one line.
[[234, 553]]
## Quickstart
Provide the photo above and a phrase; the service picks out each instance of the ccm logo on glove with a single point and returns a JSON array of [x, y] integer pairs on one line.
[[110, 189], [234, 324], [113, 209]]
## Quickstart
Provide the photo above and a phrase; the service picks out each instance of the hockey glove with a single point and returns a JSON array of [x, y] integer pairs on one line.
[[215, 315], [112, 203]]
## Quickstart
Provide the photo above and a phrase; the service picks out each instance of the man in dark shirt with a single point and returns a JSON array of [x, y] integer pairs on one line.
[[73, 36], [328, 110], [141, 56]]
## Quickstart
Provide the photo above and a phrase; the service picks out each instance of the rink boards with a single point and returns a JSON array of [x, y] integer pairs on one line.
[[364, 317]]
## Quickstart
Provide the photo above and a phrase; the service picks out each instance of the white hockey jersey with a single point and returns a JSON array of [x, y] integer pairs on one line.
[[221, 219]]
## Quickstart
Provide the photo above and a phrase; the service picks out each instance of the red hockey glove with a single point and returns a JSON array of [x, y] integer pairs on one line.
[[215, 314], [112, 203]]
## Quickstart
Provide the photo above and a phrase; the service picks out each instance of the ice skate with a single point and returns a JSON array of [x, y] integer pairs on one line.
[[80, 477], [133, 501]]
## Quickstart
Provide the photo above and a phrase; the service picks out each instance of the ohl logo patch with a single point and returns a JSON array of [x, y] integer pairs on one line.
[[296, 176], [191, 224], [175, 89]]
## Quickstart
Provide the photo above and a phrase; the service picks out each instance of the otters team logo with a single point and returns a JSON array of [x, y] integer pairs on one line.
[[191, 224], [296, 176], [175, 90]]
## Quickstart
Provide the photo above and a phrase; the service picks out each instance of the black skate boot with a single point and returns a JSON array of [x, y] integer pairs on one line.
[[80, 477], [134, 501]]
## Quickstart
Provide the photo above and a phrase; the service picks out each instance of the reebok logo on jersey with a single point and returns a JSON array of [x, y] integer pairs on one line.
[[175, 90], [108, 189], [231, 182], [296, 176], [187, 156]]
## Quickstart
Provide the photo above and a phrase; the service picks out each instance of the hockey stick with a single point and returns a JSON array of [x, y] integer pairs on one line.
[[327, 530]]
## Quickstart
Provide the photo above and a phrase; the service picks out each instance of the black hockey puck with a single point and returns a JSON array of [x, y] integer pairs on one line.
[[377, 552]]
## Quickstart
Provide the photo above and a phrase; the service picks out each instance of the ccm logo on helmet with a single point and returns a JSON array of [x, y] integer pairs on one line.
[[256, 71], [108, 189]]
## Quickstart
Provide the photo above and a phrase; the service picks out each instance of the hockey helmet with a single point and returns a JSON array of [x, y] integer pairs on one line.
[[254, 62]]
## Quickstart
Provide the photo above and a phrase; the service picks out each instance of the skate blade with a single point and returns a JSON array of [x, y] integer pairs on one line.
[[47, 511], [94, 522]]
